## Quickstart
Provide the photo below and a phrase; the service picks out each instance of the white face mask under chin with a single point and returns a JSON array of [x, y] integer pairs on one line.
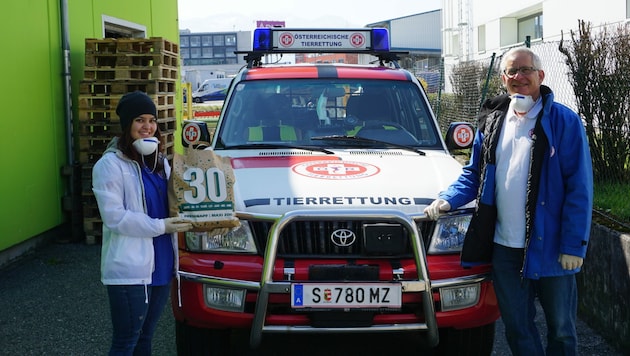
[[146, 146], [522, 103]]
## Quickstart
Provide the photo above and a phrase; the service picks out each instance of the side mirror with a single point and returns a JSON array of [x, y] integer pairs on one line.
[[459, 136]]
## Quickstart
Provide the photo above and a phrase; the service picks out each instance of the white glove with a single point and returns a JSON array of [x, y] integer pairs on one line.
[[172, 225], [570, 262], [436, 208]]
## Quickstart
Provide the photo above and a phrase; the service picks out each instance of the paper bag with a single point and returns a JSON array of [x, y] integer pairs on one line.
[[201, 189]]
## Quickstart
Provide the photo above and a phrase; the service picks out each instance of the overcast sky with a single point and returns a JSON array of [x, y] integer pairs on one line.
[[241, 15]]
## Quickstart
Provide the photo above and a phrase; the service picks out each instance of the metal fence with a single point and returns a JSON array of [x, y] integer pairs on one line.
[[473, 81], [469, 83]]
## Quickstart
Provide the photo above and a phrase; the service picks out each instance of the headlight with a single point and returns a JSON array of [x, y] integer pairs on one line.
[[239, 240], [449, 233]]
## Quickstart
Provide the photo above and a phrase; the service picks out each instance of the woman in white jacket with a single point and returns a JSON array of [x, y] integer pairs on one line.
[[139, 248]]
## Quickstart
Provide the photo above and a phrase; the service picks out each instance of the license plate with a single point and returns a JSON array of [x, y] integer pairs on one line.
[[344, 295]]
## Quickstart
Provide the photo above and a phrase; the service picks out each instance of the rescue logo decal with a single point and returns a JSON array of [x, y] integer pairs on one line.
[[335, 170], [357, 40], [192, 133], [319, 201], [286, 39], [463, 135]]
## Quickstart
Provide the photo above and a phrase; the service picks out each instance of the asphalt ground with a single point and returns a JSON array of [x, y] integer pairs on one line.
[[53, 303]]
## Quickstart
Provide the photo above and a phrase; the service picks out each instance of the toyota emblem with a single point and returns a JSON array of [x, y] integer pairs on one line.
[[343, 237]]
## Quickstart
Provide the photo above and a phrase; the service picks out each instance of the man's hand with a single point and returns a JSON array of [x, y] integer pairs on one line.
[[436, 208], [172, 225], [570, 262]]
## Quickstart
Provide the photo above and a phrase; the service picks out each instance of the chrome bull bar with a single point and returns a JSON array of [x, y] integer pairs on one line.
[[268, 285]]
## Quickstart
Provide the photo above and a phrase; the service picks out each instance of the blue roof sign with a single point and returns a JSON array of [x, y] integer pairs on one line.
[[328, 40]]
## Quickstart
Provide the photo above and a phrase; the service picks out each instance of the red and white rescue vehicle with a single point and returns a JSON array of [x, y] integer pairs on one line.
[[334, 164]]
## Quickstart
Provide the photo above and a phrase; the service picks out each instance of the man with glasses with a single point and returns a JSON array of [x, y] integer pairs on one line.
[[530, 173]]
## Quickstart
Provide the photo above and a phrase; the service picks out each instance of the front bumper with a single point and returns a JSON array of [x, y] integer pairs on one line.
[[268, 284]]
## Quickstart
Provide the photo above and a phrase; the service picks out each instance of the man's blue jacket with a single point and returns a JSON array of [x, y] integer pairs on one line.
[[559, 192]]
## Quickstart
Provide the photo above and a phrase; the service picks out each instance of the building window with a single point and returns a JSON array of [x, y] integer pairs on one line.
[[195, 52], [117, 28], [219, 52], [481, 38], [531, 26], [230, 40], [229, 52], [219, 40], [194, 41], [185, 53], [206, 52], [206, 40], [184, 41]]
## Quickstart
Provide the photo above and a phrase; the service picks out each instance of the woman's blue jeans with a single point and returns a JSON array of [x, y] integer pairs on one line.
[[516, 297], [135, 312]]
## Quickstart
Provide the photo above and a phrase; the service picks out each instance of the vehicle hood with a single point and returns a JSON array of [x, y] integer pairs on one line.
[[400, 180]]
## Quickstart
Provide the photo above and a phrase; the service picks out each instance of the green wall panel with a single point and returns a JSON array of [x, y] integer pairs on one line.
[[33, 119]]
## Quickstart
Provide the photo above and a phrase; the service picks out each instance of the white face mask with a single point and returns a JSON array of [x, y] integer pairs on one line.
[[522, 103], [146, 146]]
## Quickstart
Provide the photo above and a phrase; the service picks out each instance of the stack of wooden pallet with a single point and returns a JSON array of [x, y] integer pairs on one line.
[[114, 67]]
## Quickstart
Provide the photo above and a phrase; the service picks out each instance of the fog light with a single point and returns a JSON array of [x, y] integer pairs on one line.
[[460, 297], [225, 298]]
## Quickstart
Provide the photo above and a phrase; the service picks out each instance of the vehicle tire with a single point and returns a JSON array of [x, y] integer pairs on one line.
[[193, 341], [198, 100], [474, 341]]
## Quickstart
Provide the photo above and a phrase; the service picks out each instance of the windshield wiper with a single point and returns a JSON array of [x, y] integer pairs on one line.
[[275, 145], [358, 139]]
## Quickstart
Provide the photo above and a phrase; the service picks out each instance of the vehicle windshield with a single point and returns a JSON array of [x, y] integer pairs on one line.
[[304, 112]]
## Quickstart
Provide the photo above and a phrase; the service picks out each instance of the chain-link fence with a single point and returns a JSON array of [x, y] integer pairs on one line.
[[471, 82], [588, 73]]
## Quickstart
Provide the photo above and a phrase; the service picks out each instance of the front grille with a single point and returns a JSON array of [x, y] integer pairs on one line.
[[312, 239]]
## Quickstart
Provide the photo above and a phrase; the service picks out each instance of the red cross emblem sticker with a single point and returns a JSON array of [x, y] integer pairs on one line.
[[339, 170], [357, 40], [192, 133], [286, 39], [463, 135]]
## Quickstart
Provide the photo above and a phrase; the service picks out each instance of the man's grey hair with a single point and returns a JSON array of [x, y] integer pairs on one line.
[[513, 51]]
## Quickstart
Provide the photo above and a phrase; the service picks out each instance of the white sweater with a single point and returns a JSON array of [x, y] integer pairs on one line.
[[127, 255]]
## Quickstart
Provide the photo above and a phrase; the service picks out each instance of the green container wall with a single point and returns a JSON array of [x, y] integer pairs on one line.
[[33, 122]]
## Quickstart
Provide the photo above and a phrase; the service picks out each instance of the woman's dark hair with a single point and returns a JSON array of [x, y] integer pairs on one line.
[[125, 144]]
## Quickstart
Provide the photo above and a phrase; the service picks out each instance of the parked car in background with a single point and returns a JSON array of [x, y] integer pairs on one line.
[[213, 96], [210, 89]]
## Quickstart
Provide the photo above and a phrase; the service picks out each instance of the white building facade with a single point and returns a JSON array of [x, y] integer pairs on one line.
[[474, 30]]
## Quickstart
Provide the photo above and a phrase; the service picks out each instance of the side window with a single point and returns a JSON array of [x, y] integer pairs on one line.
[[423, 127]]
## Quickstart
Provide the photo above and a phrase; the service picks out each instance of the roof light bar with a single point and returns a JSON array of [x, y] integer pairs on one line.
[[321, 40]]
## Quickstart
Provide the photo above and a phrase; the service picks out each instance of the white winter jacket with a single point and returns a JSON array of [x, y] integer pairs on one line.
[[127, 256]]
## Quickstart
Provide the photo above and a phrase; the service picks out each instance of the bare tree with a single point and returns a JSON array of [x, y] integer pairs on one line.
[[599, 71]]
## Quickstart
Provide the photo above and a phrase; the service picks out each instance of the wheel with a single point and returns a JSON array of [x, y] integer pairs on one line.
[[193, 341], [474, 341], [197, 100]]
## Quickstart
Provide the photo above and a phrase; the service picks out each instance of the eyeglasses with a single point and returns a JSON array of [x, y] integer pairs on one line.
[[511, 73]]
